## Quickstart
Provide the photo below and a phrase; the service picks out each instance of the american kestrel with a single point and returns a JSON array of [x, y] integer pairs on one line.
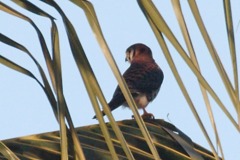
[[144, 78]]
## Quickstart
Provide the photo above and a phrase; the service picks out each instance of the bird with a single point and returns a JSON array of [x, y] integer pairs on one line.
[[143, 78]]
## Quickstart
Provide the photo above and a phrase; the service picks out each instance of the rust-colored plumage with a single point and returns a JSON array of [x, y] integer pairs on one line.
[[144, 78]]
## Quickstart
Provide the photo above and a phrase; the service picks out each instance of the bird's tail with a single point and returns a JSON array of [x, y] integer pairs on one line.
[[95, 117], [114, 103]]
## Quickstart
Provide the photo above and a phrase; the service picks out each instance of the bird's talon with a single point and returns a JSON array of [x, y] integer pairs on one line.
[[148, 116]]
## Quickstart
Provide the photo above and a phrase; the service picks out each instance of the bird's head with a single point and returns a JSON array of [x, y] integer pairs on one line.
[[138, 52]]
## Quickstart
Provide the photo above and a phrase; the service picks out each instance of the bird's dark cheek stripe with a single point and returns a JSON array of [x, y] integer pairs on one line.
[[132, 54]]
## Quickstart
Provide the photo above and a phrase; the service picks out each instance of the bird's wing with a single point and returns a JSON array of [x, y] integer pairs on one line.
[[141, 78]]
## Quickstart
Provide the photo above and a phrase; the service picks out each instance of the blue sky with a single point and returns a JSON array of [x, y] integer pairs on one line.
[[26, 110]]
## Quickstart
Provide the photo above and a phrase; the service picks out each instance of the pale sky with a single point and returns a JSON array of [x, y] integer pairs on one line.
[[26, 110]]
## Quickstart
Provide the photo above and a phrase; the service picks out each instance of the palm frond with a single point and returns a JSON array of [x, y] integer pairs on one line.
[[92, 18], [170, 143], [6, 152], [184, 29], [59, 107], [132, 139], [231, 41]]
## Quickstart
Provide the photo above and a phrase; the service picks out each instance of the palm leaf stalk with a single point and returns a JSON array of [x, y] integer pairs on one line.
[[182, 24], [158, 25], [231, 41], [92, 18], [59, 91], [47, 89], [162, 26], [215, 56], [146, 7], [71, 28], [85, 70]]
